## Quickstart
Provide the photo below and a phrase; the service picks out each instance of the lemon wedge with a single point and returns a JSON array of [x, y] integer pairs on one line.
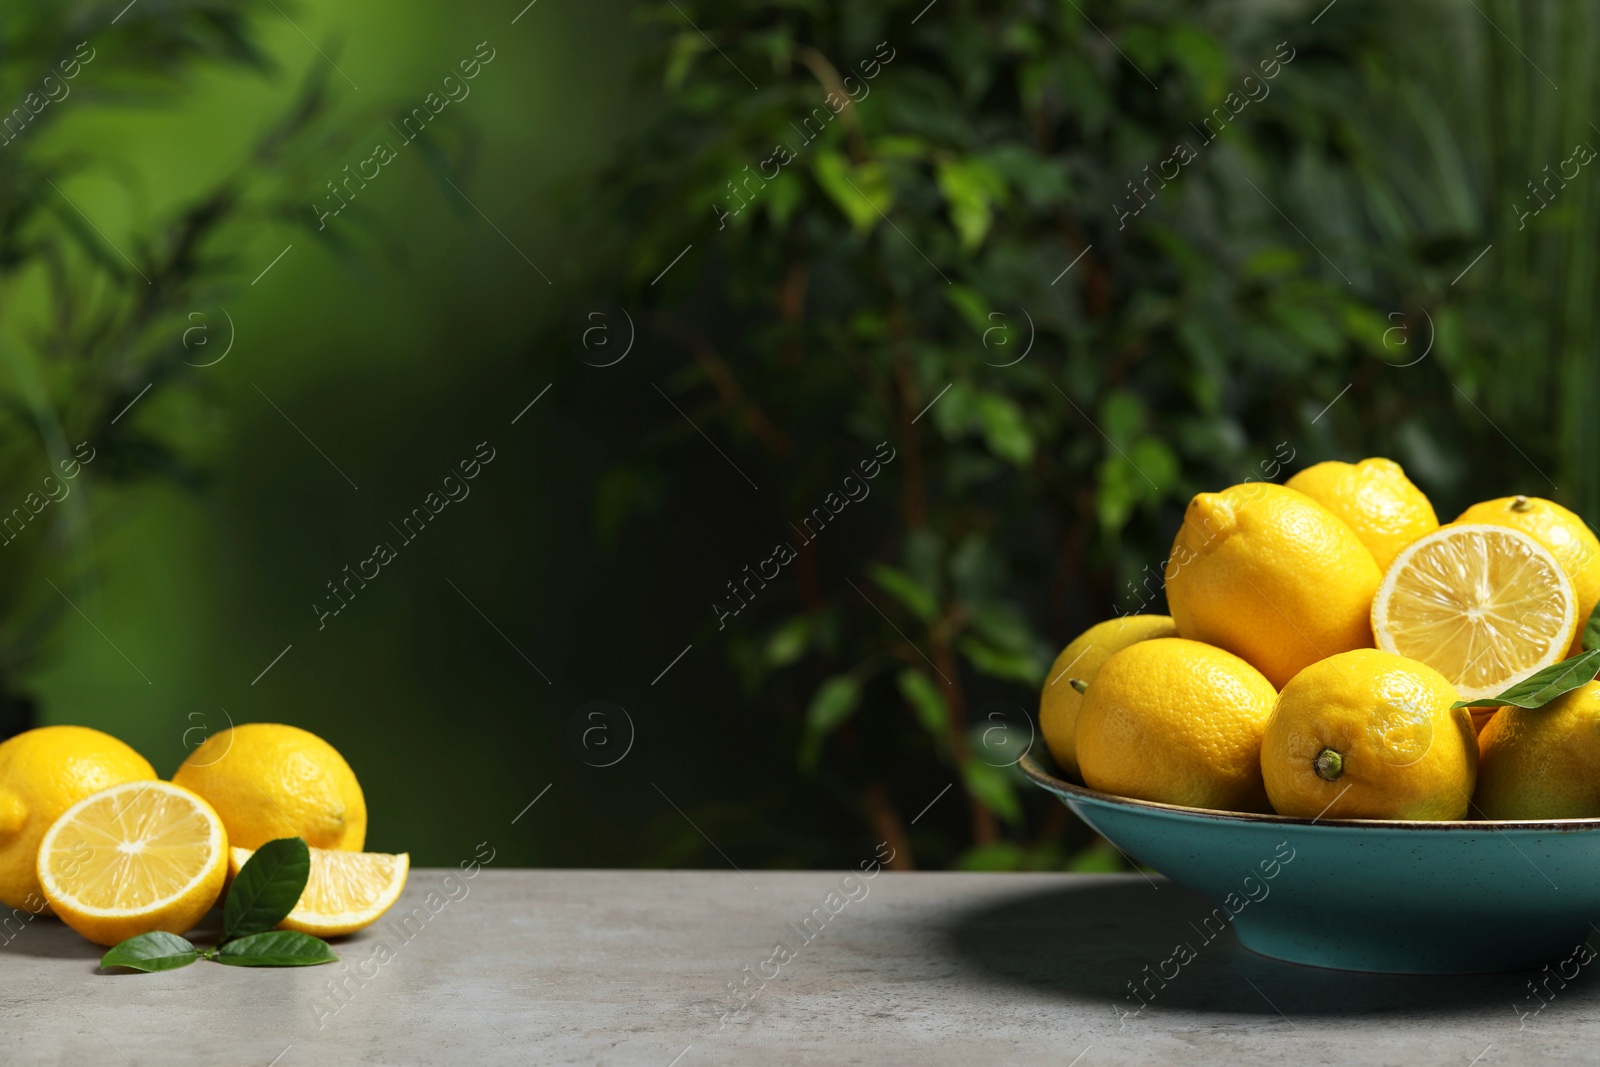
[[134, 858], [345, 892], [1485, 606]]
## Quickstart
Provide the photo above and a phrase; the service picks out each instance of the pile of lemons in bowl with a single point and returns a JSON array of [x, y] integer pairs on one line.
[[90, 834], [1333, 651]]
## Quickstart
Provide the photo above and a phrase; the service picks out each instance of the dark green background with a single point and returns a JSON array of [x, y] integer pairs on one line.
[[1398, 142]]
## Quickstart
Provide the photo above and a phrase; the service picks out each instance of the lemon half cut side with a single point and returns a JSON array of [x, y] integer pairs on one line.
[[1485, 606], [134, 858]]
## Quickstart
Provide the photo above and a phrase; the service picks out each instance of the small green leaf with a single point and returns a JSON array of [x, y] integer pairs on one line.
[[157, 951], [1539, 689], [833, 703], [788, 643], [863, 193], [1591, 631], [268, 887], [923, 695], [993, 788], [907, 590], [276, 948]]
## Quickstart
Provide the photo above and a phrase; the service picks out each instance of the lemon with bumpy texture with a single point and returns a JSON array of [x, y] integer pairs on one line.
[[1272, 576], [1485, 606], [1369, 735], [134, 858], [1540, 763], [1568, 538], [44, 772], [345, 892], [1178, 722], [268, 781], [1375, 499], [1077, 666]]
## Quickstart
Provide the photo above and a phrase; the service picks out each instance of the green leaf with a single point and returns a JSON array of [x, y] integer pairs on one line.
[[906, 590], [833, 703], [157, 951], [1539, 689], [992, 661], [1005, 429], [1591, 631], [267, 888], [924, 697], [276, 948], [971, 188], [993, 788], [863, 193], [788, 643]]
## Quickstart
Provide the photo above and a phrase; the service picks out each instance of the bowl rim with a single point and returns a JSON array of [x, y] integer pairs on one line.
[[1061, 787]]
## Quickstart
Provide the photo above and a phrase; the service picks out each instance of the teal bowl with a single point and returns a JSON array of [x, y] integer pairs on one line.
[[1365, 894]]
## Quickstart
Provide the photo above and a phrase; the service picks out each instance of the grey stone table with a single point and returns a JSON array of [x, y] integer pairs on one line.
[[684, 968]]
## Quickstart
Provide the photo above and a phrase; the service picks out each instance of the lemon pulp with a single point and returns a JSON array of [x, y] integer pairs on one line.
[[1485, 606]]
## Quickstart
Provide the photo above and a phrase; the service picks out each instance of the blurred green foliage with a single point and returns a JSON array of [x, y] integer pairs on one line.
[[1076, 263], [1005, 180]]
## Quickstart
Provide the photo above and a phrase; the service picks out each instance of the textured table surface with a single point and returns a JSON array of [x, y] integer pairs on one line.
[[626, 967]]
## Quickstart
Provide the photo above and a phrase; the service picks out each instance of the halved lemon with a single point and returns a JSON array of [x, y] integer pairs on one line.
[[345, 892], [137, 857], [1485, 606]]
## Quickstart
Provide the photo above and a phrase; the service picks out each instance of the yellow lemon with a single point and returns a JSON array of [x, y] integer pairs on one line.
[[1178, 722], [1272, 576], [269, 781], [1375, 499], [1369, 735], [1568, 538], [1077, 666], [1485, 606], [1540, 763], [44, 772], [345, 892], [134, 858]]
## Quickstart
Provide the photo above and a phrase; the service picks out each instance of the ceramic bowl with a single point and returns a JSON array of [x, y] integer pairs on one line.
[[1366, 894]]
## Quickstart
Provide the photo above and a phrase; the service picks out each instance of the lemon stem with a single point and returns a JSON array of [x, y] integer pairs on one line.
[[1079, 684], [1329, 765], [1521, 503]]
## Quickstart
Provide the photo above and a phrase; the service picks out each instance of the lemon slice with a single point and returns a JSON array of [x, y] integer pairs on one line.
[[1485, 606], [137, 857], [346, 890]]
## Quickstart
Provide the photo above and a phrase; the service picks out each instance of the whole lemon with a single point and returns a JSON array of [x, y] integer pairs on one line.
[[1369, 735], [1568, 538], [1077, 666], [267, 780], [1272, 576], [44, 772], [1178, 722], [1539, 763], [1375, 499]]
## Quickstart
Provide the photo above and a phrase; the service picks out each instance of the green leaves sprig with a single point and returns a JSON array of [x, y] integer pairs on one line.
[[267, 889], [1540, 688]]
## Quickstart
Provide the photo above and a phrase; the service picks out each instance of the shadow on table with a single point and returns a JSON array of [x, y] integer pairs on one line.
[[46, 937], [1092, 941]]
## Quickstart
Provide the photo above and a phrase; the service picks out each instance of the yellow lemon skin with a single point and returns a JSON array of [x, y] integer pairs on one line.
[[1540, 763], [1375, 499], [1398, 751], [268, 781], [1272, 576], [44, 772], [1081, 661], [1177, 722], [1568, 538]]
